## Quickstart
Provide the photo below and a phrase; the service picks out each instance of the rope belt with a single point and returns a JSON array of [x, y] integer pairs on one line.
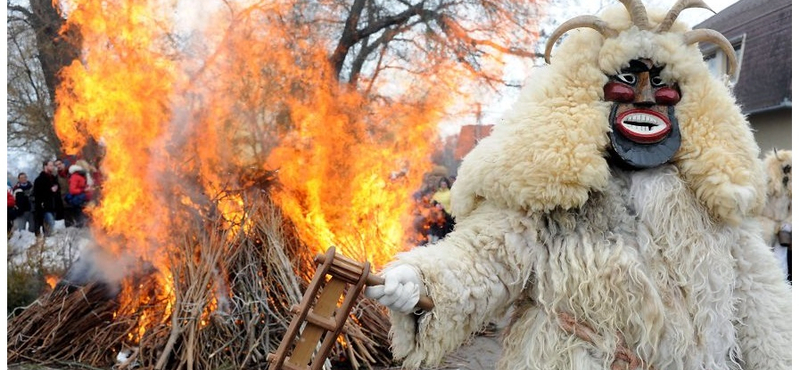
[[624, 358]]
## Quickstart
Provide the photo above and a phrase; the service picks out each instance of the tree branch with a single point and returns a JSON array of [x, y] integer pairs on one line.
[[349, 36], [368, 49], [396, 19], [17, 8]]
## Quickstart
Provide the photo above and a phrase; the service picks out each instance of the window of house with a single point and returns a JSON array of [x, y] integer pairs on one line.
[[717, 61]]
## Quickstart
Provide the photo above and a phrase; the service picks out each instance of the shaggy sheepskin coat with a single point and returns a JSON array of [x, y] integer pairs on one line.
[[671, 258]]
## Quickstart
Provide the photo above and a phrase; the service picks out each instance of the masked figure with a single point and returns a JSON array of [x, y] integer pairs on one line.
[[613, 210], [776, 217]]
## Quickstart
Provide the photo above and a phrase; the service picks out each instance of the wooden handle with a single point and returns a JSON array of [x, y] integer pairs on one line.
[[350, 270], [425, 302]]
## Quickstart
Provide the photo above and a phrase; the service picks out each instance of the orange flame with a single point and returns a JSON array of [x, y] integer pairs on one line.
[[180, 119], [52, 280]]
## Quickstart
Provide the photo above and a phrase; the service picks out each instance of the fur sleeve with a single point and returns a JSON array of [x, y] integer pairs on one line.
[[764, 327], [473, 275]]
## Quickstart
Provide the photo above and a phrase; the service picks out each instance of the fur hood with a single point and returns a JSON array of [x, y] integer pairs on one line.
[[76, 168], [549, 149]]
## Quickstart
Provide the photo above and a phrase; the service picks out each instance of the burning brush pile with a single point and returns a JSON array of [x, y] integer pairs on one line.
[[230, 159], [226, 304]]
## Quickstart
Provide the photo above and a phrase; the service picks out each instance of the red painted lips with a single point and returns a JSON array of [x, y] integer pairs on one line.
[[643, 126]]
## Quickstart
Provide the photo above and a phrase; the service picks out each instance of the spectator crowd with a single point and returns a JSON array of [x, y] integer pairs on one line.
[[61, 191]]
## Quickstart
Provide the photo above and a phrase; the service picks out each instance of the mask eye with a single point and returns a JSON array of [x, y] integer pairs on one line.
[[656, 81], [787, 168], [628, 78]]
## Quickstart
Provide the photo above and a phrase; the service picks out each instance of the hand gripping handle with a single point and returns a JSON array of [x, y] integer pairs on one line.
[[425, 302], [350, 270]]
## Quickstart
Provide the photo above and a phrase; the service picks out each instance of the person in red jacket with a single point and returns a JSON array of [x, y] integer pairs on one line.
[[11, 201], [80, 189], [12, 204]]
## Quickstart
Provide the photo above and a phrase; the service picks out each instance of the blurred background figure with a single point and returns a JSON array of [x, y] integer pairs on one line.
[[23, 195], [80, 191], [776, 217], [47, 198], [12, 214]]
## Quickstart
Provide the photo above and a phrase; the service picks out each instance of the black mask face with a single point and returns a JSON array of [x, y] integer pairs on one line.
[[644, 130]]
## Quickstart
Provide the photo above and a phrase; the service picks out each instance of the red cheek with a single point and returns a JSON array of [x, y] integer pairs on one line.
[[667, 96], [618, 92]]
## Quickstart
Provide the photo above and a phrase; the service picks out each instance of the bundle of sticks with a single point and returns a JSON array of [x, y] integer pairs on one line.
[[50, 330], [232, 289]]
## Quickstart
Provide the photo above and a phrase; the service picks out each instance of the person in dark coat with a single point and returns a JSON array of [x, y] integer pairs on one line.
[[47, 195], [23, 194], [62, 175]]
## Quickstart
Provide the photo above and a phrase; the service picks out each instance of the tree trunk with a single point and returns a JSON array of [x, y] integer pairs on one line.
[[55, 51]]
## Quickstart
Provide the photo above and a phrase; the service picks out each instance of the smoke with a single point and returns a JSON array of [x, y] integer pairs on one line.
[[194, 15], [97, 264]]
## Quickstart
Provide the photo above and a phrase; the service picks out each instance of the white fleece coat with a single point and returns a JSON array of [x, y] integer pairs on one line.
[[670, 257]]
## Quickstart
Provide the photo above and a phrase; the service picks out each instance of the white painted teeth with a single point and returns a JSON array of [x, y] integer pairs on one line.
[[644, 123], [641, 129], [643, 118]]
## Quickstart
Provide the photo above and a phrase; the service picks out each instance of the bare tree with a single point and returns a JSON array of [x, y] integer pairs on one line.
[[376, 36], [30, 115], [38, 47]]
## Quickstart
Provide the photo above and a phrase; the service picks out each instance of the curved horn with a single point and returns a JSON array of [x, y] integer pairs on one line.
[[717, 38], [590, 21], [669, 19], [638, 13]]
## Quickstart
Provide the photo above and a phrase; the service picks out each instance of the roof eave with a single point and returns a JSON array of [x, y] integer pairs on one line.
[[786, 103]]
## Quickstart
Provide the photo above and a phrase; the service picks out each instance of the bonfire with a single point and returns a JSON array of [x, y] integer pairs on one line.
[[227, 306], [227, 168]]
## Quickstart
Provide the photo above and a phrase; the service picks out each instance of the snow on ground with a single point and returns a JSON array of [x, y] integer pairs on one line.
[[56, 252]]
